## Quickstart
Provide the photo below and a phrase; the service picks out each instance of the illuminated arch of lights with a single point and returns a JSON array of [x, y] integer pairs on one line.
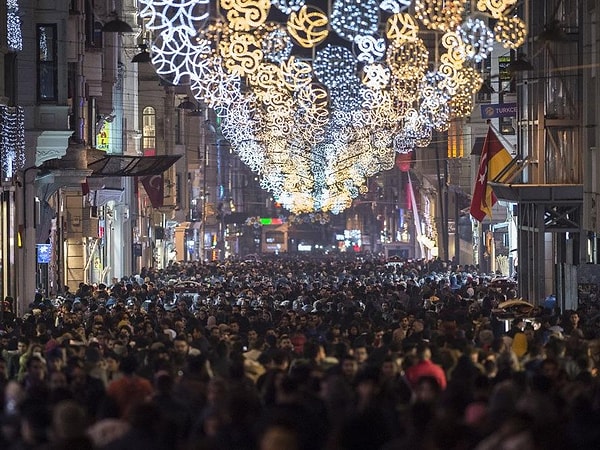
[[314, 117]]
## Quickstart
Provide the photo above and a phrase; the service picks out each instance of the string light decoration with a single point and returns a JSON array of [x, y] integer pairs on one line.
[[295, 73], [352, 18], [14, 36], [12, 139], [315, 128]]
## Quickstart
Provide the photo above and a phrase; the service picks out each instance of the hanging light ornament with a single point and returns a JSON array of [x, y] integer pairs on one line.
[[510, 32], [218, 88], [308, 26], [477, 38], [241, 53], [12, 139], [245, 15], [295, 73], [369, 48], [187, 15], [334, 66], [402, 27], [287, 6], [440, 15], [175, 53], [407, 59], [352, 18], [496, 8], [276, 44], [395, 6], [375, 76]]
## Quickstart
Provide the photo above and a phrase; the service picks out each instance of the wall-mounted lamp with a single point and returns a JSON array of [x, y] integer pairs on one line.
[[186, 104], [143, 56], [116, 25], [520, 64]]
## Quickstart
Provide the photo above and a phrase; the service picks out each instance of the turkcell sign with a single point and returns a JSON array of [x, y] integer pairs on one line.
[[498, 110]]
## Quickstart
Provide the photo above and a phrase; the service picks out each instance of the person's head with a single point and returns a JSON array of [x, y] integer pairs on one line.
[[428, 389], [129, 365], [285, 343], [22, 345], [574, 319], [180, 345], [36, 368], [389, 368], [57, 379], [349, 366], [423, 351], [361, 353], [112, 361]]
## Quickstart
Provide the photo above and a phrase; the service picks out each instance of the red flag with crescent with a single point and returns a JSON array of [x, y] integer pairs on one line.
[[155, 188]]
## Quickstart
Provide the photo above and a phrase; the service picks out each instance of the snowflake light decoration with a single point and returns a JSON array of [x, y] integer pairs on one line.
[[187, 15], [174, 53]]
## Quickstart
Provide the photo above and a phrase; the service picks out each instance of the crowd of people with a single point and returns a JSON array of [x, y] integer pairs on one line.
[[298, 354]]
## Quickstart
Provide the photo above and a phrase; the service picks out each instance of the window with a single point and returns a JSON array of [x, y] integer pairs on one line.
[[93, 27], [46, 63], [149, 131]]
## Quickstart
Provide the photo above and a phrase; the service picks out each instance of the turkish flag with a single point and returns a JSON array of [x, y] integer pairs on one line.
[[155, 188], [494, 159]]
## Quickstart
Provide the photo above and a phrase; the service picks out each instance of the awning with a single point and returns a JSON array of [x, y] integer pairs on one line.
[[131, 166], [539, 193]]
